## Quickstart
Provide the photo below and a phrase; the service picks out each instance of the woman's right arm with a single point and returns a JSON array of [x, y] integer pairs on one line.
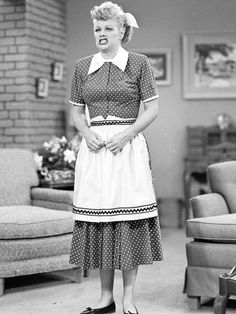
[[93, 140]]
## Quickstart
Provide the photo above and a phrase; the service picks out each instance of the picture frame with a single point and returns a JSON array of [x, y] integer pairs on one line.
[[42, 87], [57, 71], [209, 65], [160, 60]]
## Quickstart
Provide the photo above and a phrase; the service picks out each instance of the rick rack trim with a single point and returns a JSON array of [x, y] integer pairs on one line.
[[115, 214]]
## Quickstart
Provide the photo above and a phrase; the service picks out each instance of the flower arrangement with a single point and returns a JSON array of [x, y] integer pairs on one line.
[[55, 161]]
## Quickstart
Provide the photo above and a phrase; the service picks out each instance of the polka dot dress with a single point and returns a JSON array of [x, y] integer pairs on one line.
[[116, 245], [111, 92]]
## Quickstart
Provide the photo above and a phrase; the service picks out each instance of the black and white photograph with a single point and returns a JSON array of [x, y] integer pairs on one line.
[[117, 157]]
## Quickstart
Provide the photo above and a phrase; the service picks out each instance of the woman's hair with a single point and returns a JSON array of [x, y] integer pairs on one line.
[[109, 10]]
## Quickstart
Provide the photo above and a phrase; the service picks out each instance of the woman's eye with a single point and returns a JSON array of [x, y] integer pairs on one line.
[[97, 30], [109, 28]]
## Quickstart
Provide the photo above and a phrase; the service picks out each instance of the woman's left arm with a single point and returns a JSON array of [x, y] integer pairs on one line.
[[117, 142]]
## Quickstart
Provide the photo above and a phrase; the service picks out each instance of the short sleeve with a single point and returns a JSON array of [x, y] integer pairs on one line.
[[76, 97], [148, 86]]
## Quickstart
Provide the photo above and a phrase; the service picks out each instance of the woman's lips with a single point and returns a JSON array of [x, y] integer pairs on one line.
[[103, 41]]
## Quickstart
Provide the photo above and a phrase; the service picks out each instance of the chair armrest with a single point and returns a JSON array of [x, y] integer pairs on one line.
[[52, 198], [206, 205]]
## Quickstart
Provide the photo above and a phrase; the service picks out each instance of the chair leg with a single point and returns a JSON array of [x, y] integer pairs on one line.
[[220, 304], [86, 273], [77, 274], [2, 283], [194, 303]]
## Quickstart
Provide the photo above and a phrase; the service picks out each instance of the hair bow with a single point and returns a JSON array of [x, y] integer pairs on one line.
[[131, 20]]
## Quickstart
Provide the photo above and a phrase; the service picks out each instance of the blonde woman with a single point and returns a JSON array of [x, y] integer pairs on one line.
[[115, 211]]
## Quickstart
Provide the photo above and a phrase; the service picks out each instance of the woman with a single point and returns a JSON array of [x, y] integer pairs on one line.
[[115, 212]]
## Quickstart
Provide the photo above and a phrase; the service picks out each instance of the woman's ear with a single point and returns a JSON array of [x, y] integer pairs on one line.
[[122, 32]]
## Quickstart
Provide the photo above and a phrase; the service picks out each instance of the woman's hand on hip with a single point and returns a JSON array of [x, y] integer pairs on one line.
[[117, 142], [94, 141]]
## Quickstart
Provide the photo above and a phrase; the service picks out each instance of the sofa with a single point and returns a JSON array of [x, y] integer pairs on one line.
[[35, 223], [211, 250]]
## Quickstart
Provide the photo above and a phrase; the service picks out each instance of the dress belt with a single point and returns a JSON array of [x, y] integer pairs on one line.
[[112, 122]]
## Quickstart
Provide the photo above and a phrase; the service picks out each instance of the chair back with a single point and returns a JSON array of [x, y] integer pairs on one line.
[[222, 179], [17, 175]]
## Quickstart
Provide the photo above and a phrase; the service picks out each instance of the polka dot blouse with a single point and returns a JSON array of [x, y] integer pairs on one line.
[[110, 91]]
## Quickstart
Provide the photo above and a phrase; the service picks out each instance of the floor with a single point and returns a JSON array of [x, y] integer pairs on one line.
[[158, 287]]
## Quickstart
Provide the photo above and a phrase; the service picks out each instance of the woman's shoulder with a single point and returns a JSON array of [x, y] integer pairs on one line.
[[138, 57], [84, 61]]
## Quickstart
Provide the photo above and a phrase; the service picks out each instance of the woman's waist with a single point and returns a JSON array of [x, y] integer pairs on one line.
[[106, 110], [111, 120]]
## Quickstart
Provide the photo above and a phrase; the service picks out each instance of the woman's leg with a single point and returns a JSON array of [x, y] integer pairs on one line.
[[129, 277], [107, 282]]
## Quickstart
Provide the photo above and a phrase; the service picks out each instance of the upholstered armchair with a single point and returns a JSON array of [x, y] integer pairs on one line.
[[212, 250], [35, 223]]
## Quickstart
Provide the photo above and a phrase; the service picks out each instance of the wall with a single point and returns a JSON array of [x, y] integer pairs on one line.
[[161, 25], [32, 37]]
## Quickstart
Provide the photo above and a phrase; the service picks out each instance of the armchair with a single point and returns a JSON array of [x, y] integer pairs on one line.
[[35, 223], [212, 251]]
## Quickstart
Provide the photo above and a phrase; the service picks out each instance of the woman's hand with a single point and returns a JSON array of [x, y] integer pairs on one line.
[[94, 141], [118, 141]]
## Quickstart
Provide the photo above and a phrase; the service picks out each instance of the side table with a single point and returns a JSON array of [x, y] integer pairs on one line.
[[227, 287], [67, 185]]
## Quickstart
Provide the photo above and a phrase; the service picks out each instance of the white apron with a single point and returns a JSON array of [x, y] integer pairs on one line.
[[112, 187]]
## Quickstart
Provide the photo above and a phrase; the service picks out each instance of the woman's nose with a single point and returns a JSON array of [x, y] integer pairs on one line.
[[102, 33]]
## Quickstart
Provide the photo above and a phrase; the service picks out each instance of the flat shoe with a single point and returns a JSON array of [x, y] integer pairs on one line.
[[111, 308], [131, 312]]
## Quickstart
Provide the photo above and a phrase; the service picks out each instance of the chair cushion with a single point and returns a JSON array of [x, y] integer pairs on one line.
[[33, 222], [220, 228], [18, 174], [213, 255], [222, 178]]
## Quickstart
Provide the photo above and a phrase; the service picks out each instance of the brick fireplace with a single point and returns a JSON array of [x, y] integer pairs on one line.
[[33, 37]]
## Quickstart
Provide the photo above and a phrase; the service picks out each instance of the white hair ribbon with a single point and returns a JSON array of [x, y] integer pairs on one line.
[[131, 20]]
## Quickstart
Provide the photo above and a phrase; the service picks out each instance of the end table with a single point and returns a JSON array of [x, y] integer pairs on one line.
[[227, 287]]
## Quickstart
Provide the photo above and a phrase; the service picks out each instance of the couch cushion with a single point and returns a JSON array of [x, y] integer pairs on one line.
[[52, 195], [18, 173], [24, 249], [33, 222], [214, 228]]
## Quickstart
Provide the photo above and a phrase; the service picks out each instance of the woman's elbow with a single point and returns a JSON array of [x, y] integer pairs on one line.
[[155, 111]]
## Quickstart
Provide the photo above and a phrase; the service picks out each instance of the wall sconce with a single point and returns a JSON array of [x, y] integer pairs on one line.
[[57, 71], [42, 87]]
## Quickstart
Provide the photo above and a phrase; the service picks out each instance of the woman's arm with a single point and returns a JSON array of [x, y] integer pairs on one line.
[[117, 142], [146, 118], [93, 140]]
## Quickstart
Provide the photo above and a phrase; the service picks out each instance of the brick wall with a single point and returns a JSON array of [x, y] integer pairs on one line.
[[32, 38]]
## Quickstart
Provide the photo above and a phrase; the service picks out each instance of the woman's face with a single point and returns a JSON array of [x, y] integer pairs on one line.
[[107, 35]]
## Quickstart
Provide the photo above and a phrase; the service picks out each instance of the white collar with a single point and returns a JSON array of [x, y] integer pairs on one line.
[[120, 60]]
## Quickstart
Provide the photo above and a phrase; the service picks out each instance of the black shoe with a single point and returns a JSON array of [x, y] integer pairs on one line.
[[102, 310], [131, 312]]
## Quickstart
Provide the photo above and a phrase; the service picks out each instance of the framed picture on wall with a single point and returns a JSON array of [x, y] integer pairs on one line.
[[42, 87], [209, 65], [57, 71], [160, 60]]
